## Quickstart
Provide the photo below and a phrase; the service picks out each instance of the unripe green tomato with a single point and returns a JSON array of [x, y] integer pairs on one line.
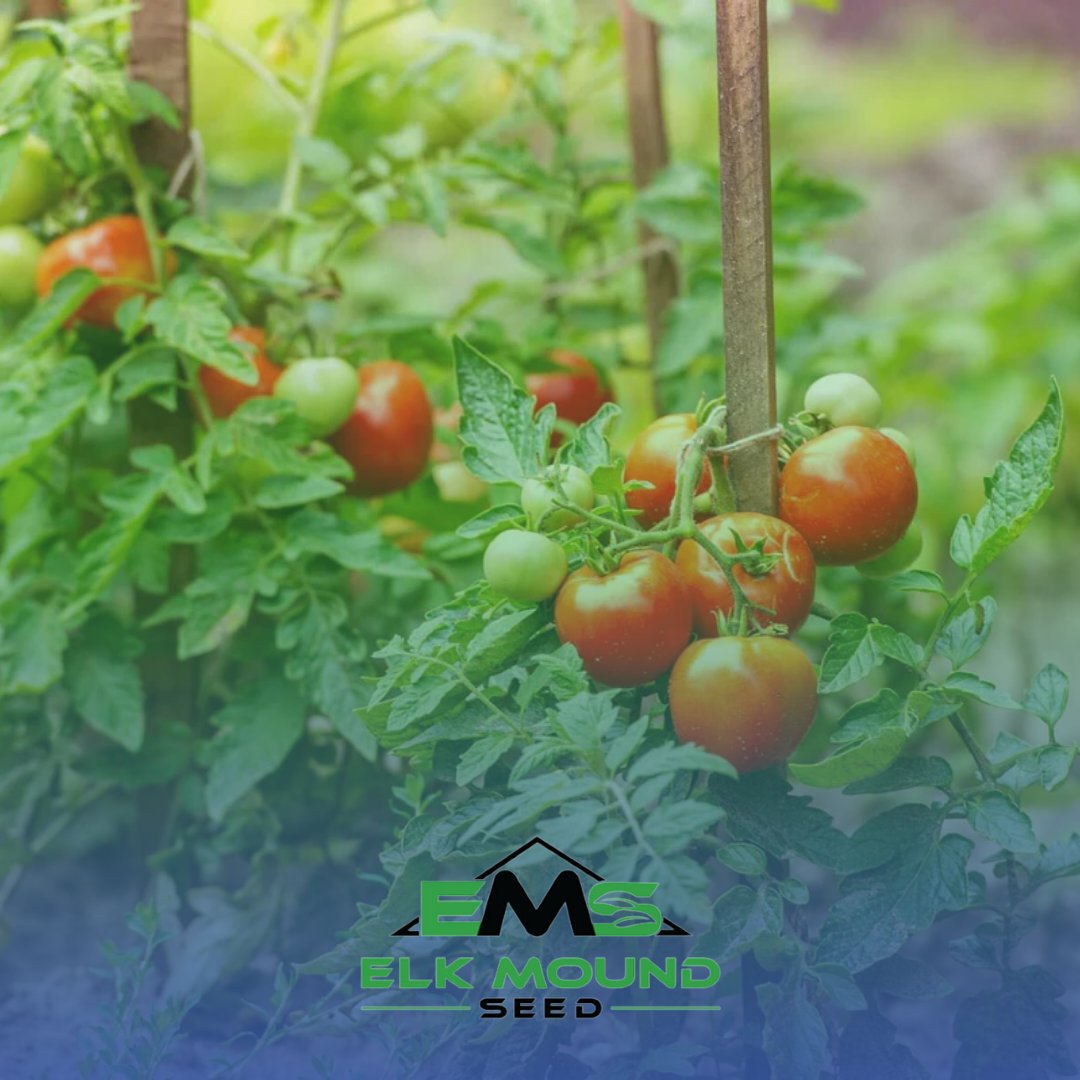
[[34, 186], [897, 559], [456, 483], [539, 495], [901, 440], [20, 250], [323, 389], [844, 400], [525, 566]]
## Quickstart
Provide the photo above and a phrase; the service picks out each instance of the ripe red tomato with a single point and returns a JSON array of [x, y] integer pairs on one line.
[[851, 493], [787, 589], [225, 395], [628, 626], [114, 247], [387, 437], [750, 700], [577, 393], [655, 457]]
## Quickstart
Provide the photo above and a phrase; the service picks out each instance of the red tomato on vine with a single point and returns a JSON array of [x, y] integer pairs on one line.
[[750, 700], [387, 436], [577, 392], [655, 457], [225, 395], [629, 626], [851, 492], [786, 590], [113, 248]]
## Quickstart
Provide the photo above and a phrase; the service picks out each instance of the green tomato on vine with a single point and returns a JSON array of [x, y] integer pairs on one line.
[[525, 566], [844, 399], [558, 484]]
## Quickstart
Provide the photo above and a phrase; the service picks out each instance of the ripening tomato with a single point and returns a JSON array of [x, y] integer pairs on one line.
[[20, 250], [787, 590], [525, 566], [225, 395], [34, 185], [750, 700], [577, 393], [655, 457], [630, 625], [114, 247], [387, 436], [851, 493]]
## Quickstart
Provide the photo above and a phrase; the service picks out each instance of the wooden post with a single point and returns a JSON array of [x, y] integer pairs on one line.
[[742, 64], [44, 9], [749, 342], [649, 150], [159, 56]]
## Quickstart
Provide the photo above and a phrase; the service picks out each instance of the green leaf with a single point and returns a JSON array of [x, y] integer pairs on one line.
[[905, 773], [27, 427], [840, 986], [856, 761], [1016, 491], [190, 317], [480, 757], [745, 859], [995, 816], [693, 326], [740, 917], [904, 873], [194, 234], [491, 521], [925, 581], [852, 653], [256, 731], [589, 449], [677, 757], [795, 1036], [316, 532], [687, 820], [970, 685], [45, 320], [280, 492], [104, 683], [964, 636], [502, 441], [31, 649], [1048, 695]]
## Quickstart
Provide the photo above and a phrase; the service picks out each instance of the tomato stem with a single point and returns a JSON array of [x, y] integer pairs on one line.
[[143, 197]]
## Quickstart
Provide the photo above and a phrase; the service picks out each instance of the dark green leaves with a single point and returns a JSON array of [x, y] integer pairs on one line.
[[255, 733], [995, 816], [502, 442], [857, 646], [1015, 492], [904, 873]]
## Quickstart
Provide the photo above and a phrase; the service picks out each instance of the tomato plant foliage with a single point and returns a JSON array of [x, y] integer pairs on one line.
[[198, 611]]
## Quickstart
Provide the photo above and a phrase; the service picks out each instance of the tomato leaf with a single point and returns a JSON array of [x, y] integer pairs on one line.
[[1015, 492], [995, 816], [501, 440], [856, 761]]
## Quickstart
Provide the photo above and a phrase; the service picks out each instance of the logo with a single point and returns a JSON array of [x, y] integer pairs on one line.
[[639, 978], [607, 909]]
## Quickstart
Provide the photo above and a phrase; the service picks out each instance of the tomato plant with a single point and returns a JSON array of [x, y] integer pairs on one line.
[[851, 493], [750, 700], [293, 635], [780, 588]]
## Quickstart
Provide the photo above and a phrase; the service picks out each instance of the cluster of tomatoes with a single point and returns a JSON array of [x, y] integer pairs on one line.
[[739, 582], [378, 416]]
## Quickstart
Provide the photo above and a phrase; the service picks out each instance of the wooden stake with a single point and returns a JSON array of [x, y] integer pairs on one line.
[[44, 9], [742, 63], [159, 56], [649, 149]]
